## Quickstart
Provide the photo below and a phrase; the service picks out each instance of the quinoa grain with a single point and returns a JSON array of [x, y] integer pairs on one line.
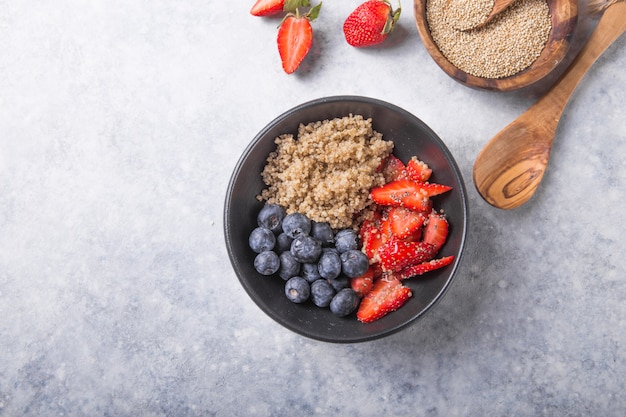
[[467, 14], [326, 172], [507, 45]]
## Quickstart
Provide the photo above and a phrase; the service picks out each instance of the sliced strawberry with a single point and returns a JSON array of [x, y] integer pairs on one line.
[[405, 222], [436, 230], [364, 283], [396, 255], [385, 226], [392, 168], [295, 38], [407, 193], [371, 239], [424, 267], [400, 193], [386, 296], [417, 170], [267, 7]]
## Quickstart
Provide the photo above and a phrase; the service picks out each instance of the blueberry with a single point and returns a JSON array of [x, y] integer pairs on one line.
[[306, 249], [354, 263], [333, 250], [340, 282], [267, 263], [283, 243], [310, 272], [323, 232], [329, 265], [261, 239], [296, 224], [289, 267], [297, 289], [321, 293], [271, 217], [346, 240], [344, 302]]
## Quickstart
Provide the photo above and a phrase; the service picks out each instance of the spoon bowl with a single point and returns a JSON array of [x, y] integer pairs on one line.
[[468, 24]]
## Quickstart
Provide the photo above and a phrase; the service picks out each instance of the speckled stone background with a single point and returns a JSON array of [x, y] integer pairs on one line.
[[120, 123]]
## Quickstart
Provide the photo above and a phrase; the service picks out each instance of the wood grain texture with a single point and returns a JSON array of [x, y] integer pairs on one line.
[[564, 17], [510, 167]]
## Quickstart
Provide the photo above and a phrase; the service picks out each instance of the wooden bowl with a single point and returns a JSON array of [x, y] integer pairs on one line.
[[564, 17]]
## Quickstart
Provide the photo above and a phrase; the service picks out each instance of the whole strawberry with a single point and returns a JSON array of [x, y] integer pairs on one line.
[[370, 23]]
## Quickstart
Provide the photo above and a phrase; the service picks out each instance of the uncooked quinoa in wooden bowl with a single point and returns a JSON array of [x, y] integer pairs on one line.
[[515, 50], [310, 241]]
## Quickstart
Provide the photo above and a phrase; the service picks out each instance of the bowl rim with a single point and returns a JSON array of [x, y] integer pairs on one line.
[[456, 172], [561, 39]]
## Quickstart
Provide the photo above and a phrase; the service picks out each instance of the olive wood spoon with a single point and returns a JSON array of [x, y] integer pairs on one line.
[[509, 168], [498, 7], [463, 23]]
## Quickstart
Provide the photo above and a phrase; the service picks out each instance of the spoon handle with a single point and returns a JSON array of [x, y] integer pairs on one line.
[[611, 26], [508, 170]]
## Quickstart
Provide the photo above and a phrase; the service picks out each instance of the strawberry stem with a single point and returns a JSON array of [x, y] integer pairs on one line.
[[293, 5], [394, 16]]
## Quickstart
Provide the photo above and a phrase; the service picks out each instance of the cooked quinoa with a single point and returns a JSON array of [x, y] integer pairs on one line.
[[326, 172]]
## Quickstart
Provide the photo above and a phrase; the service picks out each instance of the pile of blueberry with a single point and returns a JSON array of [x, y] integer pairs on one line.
[[315, 262]]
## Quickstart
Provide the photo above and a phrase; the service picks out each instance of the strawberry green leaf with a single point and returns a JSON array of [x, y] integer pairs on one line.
[[292, 5], [314, 12]]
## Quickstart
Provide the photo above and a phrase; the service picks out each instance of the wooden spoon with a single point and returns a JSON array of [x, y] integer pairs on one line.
[[509, 168], [498, 7]]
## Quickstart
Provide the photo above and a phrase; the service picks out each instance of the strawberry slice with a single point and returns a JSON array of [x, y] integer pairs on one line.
[[387, 295], [424, 267], [417, 170], [267, 7], [392, 168], [364, 283], [396, 254], [405, 222], [371, 239], [436, 230], [407, 193], [397, 193], [295, 38]]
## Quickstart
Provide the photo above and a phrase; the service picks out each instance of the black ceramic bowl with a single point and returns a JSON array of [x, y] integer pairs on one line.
[[411, 138]]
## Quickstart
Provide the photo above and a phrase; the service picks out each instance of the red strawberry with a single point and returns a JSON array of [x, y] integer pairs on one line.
[[387, 295], [417, 170], [424, 267], [407, 193], [267, 7], [392, 168], [405, 222], [436, 230], [295, 37], [370, 23], [396, 255], [364, 283], [371, 239]]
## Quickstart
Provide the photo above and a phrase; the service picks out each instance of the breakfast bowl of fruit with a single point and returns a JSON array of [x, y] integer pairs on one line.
[[345, 219]]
